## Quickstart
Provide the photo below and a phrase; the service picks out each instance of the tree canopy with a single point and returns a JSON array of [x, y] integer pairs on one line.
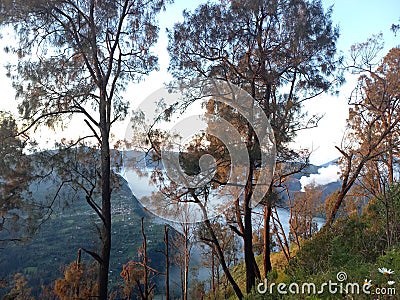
[[75, 58], [282, 53], [18, 213]]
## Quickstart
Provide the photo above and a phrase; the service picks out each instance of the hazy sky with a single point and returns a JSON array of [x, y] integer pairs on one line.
[[357, 19]]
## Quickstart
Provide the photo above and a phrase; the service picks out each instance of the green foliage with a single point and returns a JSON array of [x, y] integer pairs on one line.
[[384, 213], [61, 70], [197, 290], [356, 246], [355, 239]]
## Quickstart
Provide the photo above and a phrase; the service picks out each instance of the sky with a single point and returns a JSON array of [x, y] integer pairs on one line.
[[357, 19]]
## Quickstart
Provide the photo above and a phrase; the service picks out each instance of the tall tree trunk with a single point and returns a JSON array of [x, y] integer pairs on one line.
[[166, 241], [218, 277], [186, 266], [105, 201], [248, 250], [251, 266], [280, 234], [212, 271], [390, 162], [78, 266], [267, 242], [335, 209], [389, 145]]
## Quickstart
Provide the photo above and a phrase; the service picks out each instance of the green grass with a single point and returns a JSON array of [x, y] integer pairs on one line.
[[31, 270]]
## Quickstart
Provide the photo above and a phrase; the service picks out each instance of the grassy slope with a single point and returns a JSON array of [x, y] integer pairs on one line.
[[350, 247]]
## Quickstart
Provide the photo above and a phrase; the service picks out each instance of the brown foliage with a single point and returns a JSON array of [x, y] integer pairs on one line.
[[19, 289], [79, 282]]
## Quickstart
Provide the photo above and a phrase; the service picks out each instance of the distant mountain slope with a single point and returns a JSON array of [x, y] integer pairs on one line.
[[72, 226], [295, 185]]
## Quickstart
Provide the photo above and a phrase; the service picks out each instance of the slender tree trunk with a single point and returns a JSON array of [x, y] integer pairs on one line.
[[280, 235], [292, 228], [335, 209], [390, 162], [146, 291], [222, 261], [218, 250], [166, 241], [212, 271], [390, 159], [257, 272], [182, 284], [78, 266], [248, 236], [186, 268], [248, 250], [105, 202], [217, 273], [267, 242]]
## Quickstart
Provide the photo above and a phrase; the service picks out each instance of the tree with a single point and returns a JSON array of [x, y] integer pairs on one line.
[[385, 211], [75, 58], [138, 275], [167, 261], [20, 289], [222, 245], [282, 53], [303, 209], [379, 96], [229, 246], [187, 203], [17, 212], [183, 244], [371, 145], [79, 281]]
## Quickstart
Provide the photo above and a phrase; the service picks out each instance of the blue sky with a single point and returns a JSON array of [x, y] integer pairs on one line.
[[357, 19]]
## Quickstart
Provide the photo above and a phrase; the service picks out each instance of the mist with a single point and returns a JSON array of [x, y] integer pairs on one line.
[[325, 175]]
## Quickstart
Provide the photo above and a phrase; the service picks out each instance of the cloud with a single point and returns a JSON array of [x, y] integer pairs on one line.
[[325, 175]]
